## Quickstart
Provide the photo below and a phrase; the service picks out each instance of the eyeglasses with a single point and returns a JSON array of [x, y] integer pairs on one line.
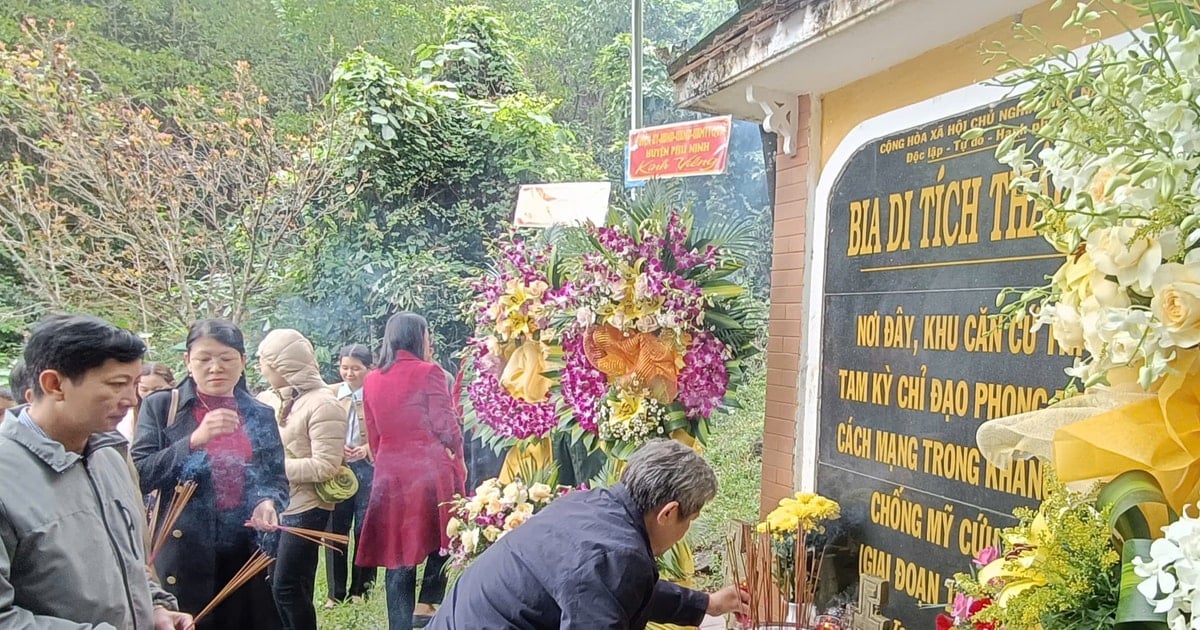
[[223, 361]]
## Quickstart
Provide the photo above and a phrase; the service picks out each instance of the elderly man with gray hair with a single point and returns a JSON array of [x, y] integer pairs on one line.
[[587, 560]]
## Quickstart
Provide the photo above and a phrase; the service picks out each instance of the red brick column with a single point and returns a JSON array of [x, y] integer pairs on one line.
[[786, 324]]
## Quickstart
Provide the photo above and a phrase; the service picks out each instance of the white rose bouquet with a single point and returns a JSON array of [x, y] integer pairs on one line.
[[1113, 166]]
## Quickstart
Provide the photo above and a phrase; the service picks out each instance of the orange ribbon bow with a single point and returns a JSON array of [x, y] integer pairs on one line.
[[641, 356]]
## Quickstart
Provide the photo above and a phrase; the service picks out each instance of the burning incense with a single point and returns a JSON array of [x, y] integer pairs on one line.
[[257, 563], [735, 574], [183, 494], [336, 542], [797, 579]]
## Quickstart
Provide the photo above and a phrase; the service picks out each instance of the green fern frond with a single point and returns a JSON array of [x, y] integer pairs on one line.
[[609, 474]]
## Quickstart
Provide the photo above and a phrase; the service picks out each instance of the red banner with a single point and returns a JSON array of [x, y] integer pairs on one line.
[[698, 147]]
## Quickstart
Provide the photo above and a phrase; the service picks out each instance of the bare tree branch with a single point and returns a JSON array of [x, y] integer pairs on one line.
[[152, 220]]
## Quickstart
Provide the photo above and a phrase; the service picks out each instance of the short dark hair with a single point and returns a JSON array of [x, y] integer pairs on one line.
[[357, 351], [404, 332], [7, 393], [663, 470], [18, 380], [73, 345], [222, 331]]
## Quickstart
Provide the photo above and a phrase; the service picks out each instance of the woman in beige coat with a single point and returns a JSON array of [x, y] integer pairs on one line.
[[312, 426]]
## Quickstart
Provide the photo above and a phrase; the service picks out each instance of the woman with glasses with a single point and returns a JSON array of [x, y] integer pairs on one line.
[[210, 430]]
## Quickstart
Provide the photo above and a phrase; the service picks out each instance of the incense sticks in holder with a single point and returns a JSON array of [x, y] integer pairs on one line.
[[779, 574]]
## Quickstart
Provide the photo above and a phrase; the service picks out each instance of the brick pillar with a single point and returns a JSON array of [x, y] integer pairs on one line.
[[786, 323]]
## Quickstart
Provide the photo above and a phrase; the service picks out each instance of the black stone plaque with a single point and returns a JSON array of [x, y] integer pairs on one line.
[[924, 232]]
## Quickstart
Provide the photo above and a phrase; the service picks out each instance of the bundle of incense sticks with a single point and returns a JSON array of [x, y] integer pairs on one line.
[[257, 563], [756, 566], [152, 514], [336, 542], [736, 571], [183, 494]]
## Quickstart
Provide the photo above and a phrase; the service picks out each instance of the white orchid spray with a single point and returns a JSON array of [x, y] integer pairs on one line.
[[1172, 573]]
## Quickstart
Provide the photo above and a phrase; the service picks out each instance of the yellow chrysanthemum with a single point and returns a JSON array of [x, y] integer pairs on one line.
[[803, 511]]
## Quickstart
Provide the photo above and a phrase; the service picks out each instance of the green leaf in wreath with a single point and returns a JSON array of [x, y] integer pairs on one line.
[[722, 289], [675, 420], [1125, 497], [1133, 611], [721, 321]]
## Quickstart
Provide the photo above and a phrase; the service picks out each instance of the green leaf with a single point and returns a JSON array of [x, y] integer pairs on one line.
[[738, 239], [722, 289], [721, 321], [676, 420], [1124, 496], [621, 449], [721, 272], [1133, 611]]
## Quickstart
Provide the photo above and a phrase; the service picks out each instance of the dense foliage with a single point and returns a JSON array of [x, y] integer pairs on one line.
[[440, 154]]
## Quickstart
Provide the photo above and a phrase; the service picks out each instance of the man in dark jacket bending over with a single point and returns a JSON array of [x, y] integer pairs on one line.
[[586, 562]]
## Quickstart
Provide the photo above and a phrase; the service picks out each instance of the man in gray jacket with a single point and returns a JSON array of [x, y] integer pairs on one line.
[[71, 519]]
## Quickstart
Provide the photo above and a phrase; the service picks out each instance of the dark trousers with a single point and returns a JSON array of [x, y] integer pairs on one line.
[[401, 587], [349, 515], [252, 605], [296, 570]]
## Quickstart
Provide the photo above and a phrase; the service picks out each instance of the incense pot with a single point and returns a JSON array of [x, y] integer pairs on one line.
[[788, 624]]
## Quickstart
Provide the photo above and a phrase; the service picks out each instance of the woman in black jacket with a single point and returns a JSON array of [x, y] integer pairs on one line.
[[210, 430]]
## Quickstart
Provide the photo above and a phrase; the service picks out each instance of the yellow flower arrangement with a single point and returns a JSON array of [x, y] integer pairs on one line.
[[797, 532], [805, 511], [494, 510]]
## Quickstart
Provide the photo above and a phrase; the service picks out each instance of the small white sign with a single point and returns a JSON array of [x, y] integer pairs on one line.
[[543, 205]]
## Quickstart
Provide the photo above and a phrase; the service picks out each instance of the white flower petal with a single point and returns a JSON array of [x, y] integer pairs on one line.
[[1149, 589]]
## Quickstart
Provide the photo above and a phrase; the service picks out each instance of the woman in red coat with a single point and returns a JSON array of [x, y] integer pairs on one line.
[[418, 449]]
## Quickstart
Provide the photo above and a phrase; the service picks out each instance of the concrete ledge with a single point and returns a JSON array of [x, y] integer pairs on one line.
[[816, 46]]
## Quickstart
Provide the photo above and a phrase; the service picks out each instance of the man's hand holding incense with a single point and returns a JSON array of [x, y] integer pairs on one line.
[[170, 620], [730, 599], [265, 518]]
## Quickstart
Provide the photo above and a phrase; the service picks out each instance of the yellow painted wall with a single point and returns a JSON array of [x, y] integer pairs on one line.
[[947, 68]]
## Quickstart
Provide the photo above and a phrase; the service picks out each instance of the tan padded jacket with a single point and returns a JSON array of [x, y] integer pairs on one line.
[[312, 424]]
